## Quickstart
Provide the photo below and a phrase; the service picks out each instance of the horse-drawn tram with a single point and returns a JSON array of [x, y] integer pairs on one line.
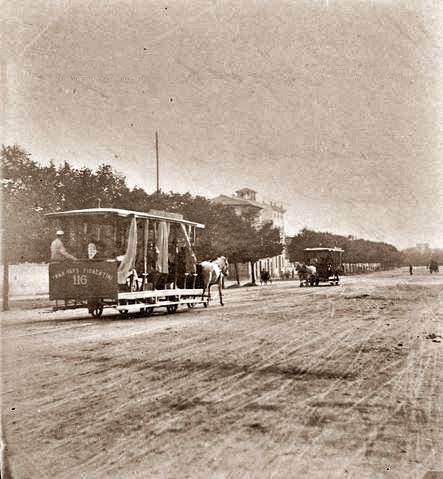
[[327, 264], [131, 261]]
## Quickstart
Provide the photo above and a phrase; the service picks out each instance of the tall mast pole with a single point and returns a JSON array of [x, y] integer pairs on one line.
[[157, 162], [4, 89]]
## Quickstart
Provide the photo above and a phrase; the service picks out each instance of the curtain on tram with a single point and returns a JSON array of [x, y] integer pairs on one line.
[[128, 260], [145, 246], [191, 259], [162, 238]]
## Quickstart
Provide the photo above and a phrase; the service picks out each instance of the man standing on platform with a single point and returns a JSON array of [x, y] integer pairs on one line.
[[58, 250]]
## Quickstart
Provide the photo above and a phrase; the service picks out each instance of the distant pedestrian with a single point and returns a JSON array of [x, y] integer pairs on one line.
[[410, 269], [58, 250]]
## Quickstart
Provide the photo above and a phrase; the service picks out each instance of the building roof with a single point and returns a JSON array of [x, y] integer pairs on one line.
[[236, 201]]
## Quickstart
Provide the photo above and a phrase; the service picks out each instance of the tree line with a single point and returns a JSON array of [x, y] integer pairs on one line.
[[355, 250], [30, 190]]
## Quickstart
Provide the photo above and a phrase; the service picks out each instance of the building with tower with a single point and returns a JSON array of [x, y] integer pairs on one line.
[[245, 203]]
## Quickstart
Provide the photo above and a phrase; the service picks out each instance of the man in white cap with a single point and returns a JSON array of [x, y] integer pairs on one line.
[[58, 250]]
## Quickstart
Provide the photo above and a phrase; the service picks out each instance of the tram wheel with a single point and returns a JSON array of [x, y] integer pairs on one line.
[[191, 305], [171, 308]]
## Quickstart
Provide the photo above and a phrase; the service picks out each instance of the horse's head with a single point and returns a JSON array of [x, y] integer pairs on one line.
[[222, 262]]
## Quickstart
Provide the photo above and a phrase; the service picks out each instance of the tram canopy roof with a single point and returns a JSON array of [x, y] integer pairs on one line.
[[122, 214], [336, 250]]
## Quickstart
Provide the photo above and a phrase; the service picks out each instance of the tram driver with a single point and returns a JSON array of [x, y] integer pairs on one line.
[[58, 250]]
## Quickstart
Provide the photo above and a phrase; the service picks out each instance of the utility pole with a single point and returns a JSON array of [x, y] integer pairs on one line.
[[157, 162], [5, 259], [4, 232]]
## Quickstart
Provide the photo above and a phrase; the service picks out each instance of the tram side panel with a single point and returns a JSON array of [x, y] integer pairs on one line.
[[83, 280]]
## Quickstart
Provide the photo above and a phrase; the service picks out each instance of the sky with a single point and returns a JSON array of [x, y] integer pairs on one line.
[[333, 108]]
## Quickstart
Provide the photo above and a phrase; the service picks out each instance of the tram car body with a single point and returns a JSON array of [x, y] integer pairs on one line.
[[131, 261]]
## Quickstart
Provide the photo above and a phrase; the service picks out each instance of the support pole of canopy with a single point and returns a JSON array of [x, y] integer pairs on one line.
[[175, 226], [145, 246]]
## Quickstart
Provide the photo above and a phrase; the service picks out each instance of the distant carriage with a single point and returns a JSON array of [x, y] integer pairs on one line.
[[321, 265], [306, 274], [433, 266], [140, 261]]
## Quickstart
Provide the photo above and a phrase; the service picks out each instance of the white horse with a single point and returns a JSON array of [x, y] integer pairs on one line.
[[212, 272], [307, 274]]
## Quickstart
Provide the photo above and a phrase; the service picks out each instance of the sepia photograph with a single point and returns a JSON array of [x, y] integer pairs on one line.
[[221, 239]]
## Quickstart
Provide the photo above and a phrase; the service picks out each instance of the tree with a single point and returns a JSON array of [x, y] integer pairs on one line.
[[30, 190], [355, 250], [258, 243]]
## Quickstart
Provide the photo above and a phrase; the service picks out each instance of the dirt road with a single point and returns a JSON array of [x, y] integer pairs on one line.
[[282, 382]]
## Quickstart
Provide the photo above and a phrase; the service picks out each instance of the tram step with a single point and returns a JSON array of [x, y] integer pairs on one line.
[[160, 293], [133, 308]]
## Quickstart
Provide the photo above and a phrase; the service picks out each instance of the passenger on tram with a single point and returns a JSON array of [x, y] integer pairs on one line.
[[109, 248], [98, 249], [92, 248]]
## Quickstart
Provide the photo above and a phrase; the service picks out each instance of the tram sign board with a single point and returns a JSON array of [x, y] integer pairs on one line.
[[83, 280], [166, 214]]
